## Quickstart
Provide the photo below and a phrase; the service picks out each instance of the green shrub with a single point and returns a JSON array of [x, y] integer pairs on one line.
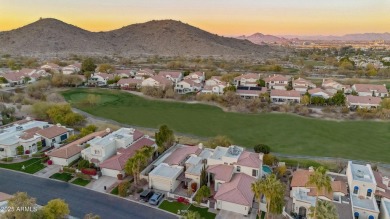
[[139, 190], [123, 188], [83, 164], [25, 156], [7, 159], [262, 148], [20, 150], [69, 170], [45, 159], [39, 154]]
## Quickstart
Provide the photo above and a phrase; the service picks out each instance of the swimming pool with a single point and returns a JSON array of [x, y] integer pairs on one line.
[[267, 169]]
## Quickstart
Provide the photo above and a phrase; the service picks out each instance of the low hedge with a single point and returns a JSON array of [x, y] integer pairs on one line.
[[37, 155], [89, 171], [7, 159], [25, 156], [69, 169], [45, 159]]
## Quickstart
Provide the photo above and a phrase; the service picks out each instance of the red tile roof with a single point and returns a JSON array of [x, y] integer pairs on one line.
[[248, 76], [52, 131], [124, 81], [363, 100], [173, 74], [370, 87], [275, 78], [237, 191], [177, 156], [379, 180], [285, 93], [249, 159], [118, 161], [222, 172], [29, 133], [300, 178]]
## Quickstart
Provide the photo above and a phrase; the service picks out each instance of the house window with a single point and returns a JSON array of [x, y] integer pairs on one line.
[[356, 215], [371, 217], [355, 190], [238, 169], [254, 172], [97, 152], [369, 192]]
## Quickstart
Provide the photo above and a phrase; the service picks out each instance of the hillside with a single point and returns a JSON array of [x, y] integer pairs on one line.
[[166, 37], [259, 38]]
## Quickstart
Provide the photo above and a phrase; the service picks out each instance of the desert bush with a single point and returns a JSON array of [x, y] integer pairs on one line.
[[83, 176], [123, 188], [153, 91]]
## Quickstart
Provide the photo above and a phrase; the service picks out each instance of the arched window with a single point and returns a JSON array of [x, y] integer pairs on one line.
[[356, 190], [371, 217], [356, 215], [369, 192]]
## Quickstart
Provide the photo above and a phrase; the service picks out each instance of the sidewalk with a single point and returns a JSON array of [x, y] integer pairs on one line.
[[98, 185], [48, 171]]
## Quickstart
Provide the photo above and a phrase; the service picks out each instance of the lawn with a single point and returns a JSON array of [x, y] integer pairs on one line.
[[203, 212], [81, 182], [285, 133], [115, 191], [173, 206], [62, 176], [31, 166]]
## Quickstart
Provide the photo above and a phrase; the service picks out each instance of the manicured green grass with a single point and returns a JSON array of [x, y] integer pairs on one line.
[[203, 212], [62, 176], [115, 191], [173, 206], [285, 133], [31, 166], [81, 182]]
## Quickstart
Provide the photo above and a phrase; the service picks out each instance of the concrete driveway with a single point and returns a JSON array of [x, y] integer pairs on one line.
[[232, 215], [98, 185], [48, 171]]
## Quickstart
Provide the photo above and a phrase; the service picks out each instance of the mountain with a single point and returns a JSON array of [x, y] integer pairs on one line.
[[347, 37], [259, 38], [165, 37]]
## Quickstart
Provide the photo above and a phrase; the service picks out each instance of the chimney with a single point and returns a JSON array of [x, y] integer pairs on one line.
[[58, 125], [311, 169], [261, 155], [200, 146], [108, 130]]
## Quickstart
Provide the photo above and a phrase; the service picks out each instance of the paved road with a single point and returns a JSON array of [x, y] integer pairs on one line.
[[81, 201]]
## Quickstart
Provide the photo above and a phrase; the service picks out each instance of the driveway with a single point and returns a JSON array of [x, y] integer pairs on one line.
[[98, 185], [48, 171], [81, 200]]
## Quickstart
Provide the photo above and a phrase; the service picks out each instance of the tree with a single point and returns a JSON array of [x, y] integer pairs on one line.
[[338, 98], [305, 99], [281, 170], [321, 181], [269, 159], [262, 148], [63, 114], [261, 82], [203, 192], [219, 140], [164, 138], [229, 88], [88, 65], [203, 176], [18, 200], [20, 150], [385, 103], [123, 188], [325, 210], [137, 162], [106, 68], [56, 208], [273, 191], [192, 215], [83, 164]]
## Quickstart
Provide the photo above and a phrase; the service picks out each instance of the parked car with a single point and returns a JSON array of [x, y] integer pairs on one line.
[[156, 198], [145, 195]]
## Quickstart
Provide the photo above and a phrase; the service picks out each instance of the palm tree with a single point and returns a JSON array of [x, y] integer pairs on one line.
[[138, 161], [325, 210], [273, 190], [321, 181]]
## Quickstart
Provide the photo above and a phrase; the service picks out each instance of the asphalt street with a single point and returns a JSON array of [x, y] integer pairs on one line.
[[81, 201]]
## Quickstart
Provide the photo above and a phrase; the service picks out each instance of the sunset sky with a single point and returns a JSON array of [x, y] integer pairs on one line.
[[224, 17]]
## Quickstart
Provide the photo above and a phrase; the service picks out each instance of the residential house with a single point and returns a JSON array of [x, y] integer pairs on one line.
[[382, 186], [51, 67], [100, 79], [284, 96], [214, 80], [302, 85], [251, 93], [115, 165], [236, 195], [198, 77], [15, 78], [102, 148], [385, 209], [319, 92], [71, 69], [372, 90], [20, 133], [247, 80], [53, 135], [214, 89], [124, 73], [187, 86], [157, 81], [144, 73], [362, 185], [366, 102], [129, 83], [332, 86], [65, 155], [304, 195], [277, 82], [174, 76]]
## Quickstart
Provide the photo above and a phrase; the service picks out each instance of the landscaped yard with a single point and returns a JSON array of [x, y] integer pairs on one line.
[[115, 191], [173, 206], [31, 166], [288, 134], [203, 212], [62, 176], [81, 182]]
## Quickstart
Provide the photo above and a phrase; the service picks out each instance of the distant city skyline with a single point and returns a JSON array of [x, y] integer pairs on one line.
[[228, 17]]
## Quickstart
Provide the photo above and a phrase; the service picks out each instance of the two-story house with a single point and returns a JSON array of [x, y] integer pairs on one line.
[[187, 86], [246, 80], [174, 76], [302, 85], [157, 81], [277, 82]]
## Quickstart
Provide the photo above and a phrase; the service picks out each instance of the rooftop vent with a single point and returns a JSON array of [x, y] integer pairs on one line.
[[118, 136], [360, 174], [19, 128]]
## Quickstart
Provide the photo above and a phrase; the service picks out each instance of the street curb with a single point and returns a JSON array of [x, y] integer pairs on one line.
[[144, 204]]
